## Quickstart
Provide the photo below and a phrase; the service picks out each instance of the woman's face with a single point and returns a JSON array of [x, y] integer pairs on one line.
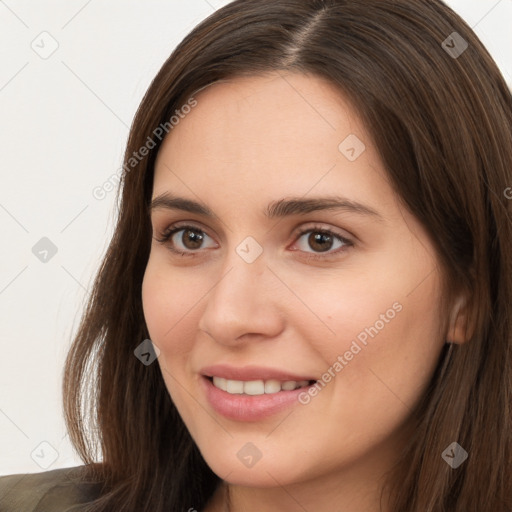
[[352, 302]]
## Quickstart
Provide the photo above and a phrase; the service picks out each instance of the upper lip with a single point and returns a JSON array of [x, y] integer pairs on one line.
[[247, 373]]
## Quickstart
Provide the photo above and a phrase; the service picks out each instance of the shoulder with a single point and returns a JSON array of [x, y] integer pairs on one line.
[[58, 490]]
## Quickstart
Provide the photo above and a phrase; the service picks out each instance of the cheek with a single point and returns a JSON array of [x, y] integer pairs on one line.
[[168, 305], [373, 329], [343, 309], [167, 301], [388, 358]]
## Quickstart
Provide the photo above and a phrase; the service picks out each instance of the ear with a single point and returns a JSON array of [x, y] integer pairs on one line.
[[460, 328]]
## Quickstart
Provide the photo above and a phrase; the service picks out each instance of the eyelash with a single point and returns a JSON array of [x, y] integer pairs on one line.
[[165, 237]]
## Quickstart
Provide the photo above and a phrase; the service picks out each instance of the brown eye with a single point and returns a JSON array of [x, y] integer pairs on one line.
[[322, 243], [191, 239], [184, 240]]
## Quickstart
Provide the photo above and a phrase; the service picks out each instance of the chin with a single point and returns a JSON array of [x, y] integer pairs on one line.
[[264, 473]]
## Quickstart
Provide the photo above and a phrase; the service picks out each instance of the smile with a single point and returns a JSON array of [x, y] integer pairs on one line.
[[257, 387], [249, 400]]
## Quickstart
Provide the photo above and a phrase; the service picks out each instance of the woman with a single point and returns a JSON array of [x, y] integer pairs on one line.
[[306, 303]]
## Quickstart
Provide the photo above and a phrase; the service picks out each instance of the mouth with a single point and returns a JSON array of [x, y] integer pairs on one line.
[[257, 387], [252, 400]]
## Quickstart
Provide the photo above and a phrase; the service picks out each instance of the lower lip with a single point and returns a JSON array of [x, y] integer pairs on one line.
[[250, 407]]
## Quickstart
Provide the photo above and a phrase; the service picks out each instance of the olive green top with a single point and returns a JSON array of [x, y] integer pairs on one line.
[[58, 490]]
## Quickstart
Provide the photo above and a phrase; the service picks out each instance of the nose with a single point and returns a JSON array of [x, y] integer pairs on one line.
[[243, 304]]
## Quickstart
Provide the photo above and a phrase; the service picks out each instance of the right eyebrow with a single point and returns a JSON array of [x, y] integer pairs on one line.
[[168, 202]]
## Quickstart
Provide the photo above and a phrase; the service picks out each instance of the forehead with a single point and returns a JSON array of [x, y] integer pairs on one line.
[[268, 109], [253, 136]]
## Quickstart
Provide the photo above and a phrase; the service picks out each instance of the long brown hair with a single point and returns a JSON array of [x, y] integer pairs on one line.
[[440, 115]]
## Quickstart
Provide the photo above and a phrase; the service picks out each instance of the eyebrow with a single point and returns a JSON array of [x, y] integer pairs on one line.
[[276, 209]]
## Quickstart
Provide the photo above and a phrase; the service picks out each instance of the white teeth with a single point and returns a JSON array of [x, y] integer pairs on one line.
[[234, 386], [220, 382], [272, 386], [288, 385], [256, 387]]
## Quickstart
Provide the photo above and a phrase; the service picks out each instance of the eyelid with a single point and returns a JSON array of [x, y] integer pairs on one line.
[[348, 241], [316, 227], [166, 234]]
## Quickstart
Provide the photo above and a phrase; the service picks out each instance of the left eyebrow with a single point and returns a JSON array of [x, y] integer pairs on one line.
[[301, 206], [276, 209]]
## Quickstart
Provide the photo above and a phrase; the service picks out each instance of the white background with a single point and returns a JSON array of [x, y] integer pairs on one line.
[[63, 127]]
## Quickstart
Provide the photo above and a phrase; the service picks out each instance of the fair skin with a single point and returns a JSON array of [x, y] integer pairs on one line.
[[248, 142]]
